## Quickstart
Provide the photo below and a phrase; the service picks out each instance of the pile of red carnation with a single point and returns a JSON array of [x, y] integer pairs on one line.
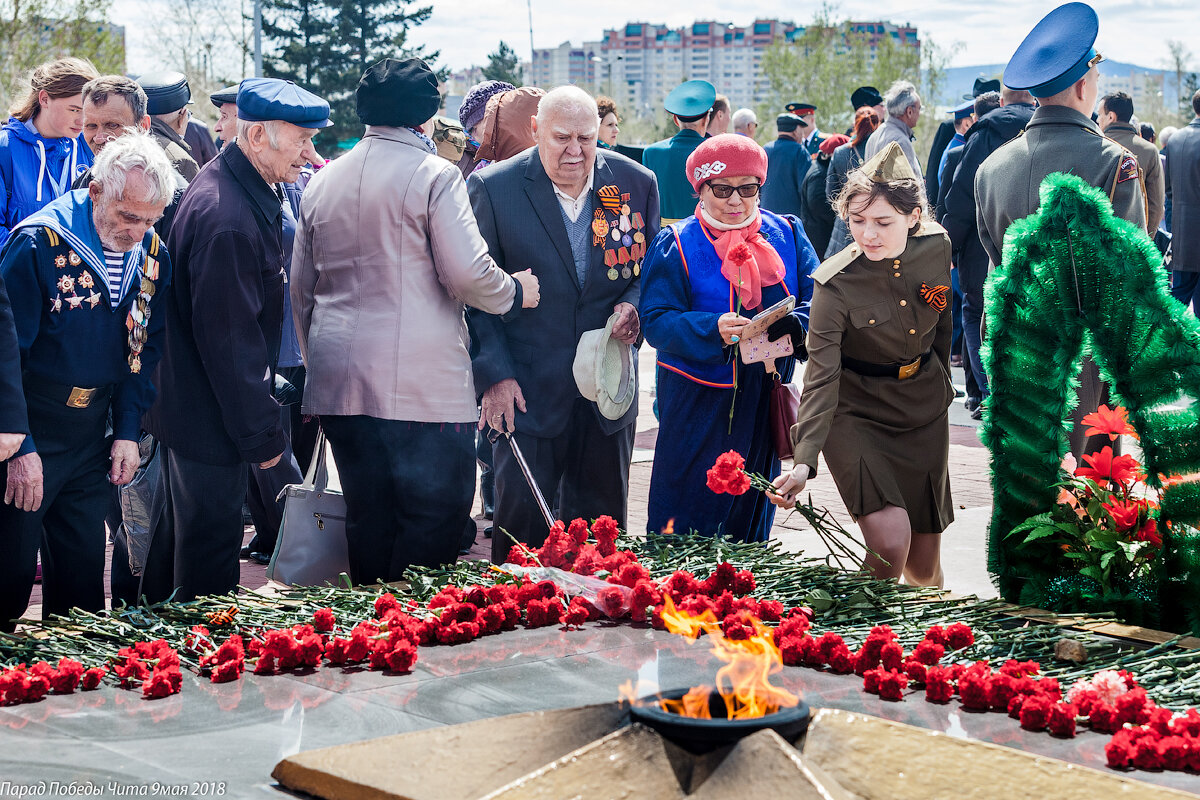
[[154, 665], [25, 685]]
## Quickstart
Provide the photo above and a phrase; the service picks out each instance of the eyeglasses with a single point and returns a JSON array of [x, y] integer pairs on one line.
[[724, 191]]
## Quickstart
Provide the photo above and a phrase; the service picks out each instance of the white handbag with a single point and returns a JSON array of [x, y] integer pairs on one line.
[[311, 547]]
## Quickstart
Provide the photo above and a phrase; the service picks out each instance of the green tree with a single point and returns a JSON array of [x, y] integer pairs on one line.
[[36, 31], [829, 61], [503, 65], [297, 34]]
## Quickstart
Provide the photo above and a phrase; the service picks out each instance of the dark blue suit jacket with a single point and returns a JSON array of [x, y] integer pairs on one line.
[[12, 396], [787, 164], [521, 221]]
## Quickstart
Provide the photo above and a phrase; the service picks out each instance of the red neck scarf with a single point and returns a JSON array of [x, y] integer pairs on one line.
[[748, 261]]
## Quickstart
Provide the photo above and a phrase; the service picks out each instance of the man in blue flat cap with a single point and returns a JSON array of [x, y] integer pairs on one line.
[[787, 164], [215, 412], [1056, 63], [689, 105]]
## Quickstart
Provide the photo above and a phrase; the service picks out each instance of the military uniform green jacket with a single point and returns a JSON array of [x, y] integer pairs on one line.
[[1057, 139], [668, 160]]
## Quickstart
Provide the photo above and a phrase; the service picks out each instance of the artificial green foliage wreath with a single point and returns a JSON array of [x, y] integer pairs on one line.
[[1076, 279]]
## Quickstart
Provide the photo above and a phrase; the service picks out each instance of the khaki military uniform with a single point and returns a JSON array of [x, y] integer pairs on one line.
[[1128, 137], [1058, 139], [886, 439], [176, 149]]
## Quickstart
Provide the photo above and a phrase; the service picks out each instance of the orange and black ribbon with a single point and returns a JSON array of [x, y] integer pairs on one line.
[[935, 296]]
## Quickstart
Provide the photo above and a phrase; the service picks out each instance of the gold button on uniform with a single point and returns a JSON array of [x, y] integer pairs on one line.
[[870, 322], [903, 302], [897, 274], [912, 330]]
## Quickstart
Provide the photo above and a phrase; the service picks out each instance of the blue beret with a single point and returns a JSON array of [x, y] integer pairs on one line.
[[222, 96], [265, 99], [165, 91], [963, 110], [691, 99], [1056, 53]]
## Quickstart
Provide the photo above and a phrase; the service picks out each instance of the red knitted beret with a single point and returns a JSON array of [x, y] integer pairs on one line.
[[728, 156]]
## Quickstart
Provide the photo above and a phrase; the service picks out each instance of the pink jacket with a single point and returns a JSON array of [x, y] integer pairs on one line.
[[387, 253]]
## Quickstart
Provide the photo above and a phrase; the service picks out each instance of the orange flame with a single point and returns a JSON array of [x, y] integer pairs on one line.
[[744, 682], [669, 528]]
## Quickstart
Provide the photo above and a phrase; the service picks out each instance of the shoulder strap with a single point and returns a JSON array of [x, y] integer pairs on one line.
[[835, 264]]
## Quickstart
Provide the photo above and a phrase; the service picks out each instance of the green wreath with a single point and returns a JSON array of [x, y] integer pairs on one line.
[[1076, 279]]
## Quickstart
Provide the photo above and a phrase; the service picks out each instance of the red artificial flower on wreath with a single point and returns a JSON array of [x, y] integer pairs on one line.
[[1111, 422], [1103, 467], [727, 476], [1124, 513], [1149, 533]]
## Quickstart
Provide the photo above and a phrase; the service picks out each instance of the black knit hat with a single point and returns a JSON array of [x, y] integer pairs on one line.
[[399, 93]]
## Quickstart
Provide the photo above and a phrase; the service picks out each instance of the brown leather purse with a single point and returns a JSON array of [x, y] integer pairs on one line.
[[784, 408]]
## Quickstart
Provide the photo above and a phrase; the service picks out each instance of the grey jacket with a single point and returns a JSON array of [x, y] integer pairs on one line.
[[1056, 139], [1125, 135], [893, 130], [387, 252], [1183, 187]]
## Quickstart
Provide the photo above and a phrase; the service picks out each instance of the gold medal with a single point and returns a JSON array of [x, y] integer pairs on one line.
[[625, 210], [612, 274], [637, 269], [135, 364], [73, 258], [148, 287], [639, 237], [60, 261], [600, 227]]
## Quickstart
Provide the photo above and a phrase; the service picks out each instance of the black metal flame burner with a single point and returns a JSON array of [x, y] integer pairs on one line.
[[704, 735]]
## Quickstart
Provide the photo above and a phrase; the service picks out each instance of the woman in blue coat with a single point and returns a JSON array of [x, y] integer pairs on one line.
[[41, 147], [704, 278]]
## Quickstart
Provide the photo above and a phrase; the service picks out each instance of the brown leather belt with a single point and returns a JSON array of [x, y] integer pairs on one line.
[[897, 371], [71, 396]]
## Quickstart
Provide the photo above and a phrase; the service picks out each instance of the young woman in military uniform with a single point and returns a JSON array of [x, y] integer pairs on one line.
[[877, 384]]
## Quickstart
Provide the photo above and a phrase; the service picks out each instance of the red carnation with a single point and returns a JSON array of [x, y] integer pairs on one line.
[[1035, 712], [915, 670], [938, 688], [229, 671], [727, 475], [1134, 707], [578, 531], [871, 680], [841, 660], [936, 634], [385, 603], [973, 688], [92, 678], [892, 685], [162, 683], [611, 600], [959, 636], [739, 254], [1119, 751], [644, 596], [1001, 689], [323, 620], [67, 676], [929, 652], [540, 613], [605, 531], [1146, 754], [891, 655], [1061, 721], [795, 649], [1175, 752]]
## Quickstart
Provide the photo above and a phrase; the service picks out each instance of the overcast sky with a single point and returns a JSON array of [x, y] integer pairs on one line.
[[465, 31]]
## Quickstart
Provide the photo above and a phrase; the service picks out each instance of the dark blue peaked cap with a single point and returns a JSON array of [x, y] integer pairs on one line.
[[1057, 52], [265, 99]]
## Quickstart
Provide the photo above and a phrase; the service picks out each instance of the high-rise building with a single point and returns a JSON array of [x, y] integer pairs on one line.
[[565, 64]]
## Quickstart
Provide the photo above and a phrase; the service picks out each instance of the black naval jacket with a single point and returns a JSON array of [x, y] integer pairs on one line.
[[224, 316], [13, 418]]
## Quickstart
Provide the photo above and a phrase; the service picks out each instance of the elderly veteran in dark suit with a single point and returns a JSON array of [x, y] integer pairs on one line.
[[788, 162], [386, 255], [582, 221], [86, 276], [1057, 64], [215, 413]]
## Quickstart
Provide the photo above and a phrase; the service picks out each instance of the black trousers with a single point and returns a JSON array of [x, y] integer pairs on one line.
[[196, 542], [266, 484], [68, 527], [408, 489], [582, 472]]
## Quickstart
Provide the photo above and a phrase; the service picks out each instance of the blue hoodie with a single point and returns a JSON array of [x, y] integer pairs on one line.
[[35, 170]]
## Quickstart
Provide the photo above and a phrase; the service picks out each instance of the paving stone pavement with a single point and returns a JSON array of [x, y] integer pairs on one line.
[[964, 544]]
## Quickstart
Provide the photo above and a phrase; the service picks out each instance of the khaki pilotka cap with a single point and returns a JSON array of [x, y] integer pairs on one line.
[[889, 164]]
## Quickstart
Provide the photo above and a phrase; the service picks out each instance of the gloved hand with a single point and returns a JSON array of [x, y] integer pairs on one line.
[[790, 324]]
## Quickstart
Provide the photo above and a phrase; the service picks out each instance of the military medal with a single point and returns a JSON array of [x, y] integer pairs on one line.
[[612, 274], [139, 316], [60, 261], [74, 301], [151, 270], [639, 237], [56, 304], [599, 227], [85, 280], [626, 273], [74, 258], [93, 299], [66, 283], [637, 269]]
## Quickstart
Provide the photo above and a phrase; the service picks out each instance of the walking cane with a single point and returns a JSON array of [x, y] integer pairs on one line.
[[543, 506]]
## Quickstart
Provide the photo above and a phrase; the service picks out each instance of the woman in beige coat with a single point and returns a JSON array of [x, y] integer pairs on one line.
[[387, 253]]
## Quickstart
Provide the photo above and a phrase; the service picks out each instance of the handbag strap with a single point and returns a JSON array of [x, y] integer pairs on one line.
[[317, 476]]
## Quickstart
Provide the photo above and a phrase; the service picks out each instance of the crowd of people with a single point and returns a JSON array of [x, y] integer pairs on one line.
[[179, 317]]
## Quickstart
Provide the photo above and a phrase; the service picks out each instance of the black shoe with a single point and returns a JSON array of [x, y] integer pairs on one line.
[[487, 532], [977, 414], [246, 552], [972, 403], [260, 558], [487, 493]]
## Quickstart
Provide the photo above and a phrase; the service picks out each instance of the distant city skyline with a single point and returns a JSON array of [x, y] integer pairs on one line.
[[985, 33]]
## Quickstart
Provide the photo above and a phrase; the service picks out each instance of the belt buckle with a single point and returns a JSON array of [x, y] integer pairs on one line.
[[80, 398], [908, 370]]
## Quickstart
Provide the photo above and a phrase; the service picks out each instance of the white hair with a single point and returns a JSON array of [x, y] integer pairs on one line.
[[1165, 135], [271, 126], [743, 118], [899, 97], [136, 151], [567, 100]]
